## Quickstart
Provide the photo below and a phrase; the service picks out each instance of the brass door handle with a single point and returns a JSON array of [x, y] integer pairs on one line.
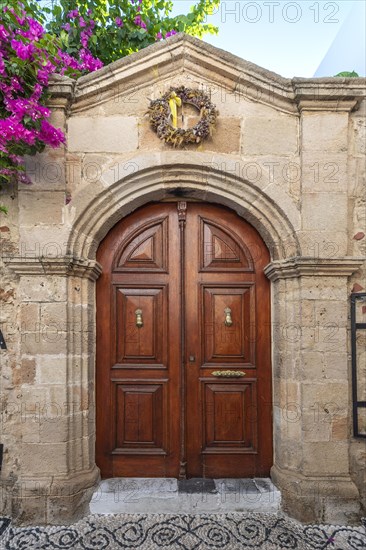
[[228, 319], [139, 321], [228, 373]]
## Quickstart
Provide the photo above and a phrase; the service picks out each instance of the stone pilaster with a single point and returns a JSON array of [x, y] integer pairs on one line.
[[53, 412], [312, 408]]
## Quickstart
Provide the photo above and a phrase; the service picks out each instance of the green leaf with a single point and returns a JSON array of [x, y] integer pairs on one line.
[[348, 74]]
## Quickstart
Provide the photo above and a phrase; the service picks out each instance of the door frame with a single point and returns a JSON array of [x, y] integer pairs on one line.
[[126, 185]]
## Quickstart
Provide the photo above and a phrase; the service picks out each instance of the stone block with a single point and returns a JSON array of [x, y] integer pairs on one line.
[[70, 499], [57, 118], [25, 373], [93, 166], [51, 369], [54, 428], [54, 316], [340, 429], [41, 207], [323, 244], [48, 241], [46, 171], [290, 392], [324, 173], [328, 458], [29, 511], [324, 131], [47, 341], [328, 338], [323, 288], [288, 454], [338, 511], [315, 427], [43, 288], [328, 400], [30, 316], [114, 134], [44, 459], [314, 366], [336, 365], [30, 430], [322, 213], [265, 135]]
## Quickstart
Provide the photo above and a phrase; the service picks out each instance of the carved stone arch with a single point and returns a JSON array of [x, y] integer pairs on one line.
[[156, 177]]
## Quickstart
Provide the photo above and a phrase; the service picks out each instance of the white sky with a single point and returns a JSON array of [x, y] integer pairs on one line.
[[289, 38]]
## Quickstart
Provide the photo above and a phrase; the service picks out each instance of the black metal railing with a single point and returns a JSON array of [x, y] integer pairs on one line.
[[358, 314]]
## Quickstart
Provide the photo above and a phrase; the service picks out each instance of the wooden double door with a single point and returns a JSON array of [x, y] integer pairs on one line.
[[183, 381]]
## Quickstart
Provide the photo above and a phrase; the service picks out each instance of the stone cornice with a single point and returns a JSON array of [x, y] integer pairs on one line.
[[339, 106], [61, 92], [66, 266], [309, 267], [182, 53]]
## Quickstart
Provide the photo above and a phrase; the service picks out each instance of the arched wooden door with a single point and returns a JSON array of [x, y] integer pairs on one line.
[[183, 382]]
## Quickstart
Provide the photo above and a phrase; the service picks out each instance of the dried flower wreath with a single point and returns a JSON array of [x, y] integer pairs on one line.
[[163, 116]]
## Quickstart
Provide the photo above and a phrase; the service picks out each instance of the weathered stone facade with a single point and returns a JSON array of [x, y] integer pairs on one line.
[[288, 156]]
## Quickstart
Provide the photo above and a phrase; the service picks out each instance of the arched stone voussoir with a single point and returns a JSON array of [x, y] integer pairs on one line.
[[134, 182]]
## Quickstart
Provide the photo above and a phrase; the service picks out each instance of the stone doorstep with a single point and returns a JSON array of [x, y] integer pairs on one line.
[[168, 495]]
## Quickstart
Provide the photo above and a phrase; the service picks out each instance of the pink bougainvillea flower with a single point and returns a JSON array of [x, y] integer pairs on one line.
[[84, 39], [35, 31], [119, 22], [16, 84], [50, 135], [2, 66], [4, 34], [89, 62], [12, 129], [159, 36], [23, 51], [138, 21], [73, 13], [23, 121], [24, 178]]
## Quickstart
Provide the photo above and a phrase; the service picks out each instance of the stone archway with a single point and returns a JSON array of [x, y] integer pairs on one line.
[[95, 209], [130, 184]]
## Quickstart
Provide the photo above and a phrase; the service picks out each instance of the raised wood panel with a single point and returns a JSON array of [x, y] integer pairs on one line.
[[229, 417], [141, 345], [140, 417], [221, 251], [222, 343], [146, 249]]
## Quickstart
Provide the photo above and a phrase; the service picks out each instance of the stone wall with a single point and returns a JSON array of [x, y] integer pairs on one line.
[[289, 156]]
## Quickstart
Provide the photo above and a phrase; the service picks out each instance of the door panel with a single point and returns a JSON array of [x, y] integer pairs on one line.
[[140, 417], [182, 298], [145, 249], [222, 343], [145, 345], [229, 422]]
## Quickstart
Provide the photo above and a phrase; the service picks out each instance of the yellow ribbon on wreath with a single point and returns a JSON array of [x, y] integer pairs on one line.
[[174, 102]]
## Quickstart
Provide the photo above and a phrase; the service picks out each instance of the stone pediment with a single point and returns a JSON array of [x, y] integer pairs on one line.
[[182, 55]]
